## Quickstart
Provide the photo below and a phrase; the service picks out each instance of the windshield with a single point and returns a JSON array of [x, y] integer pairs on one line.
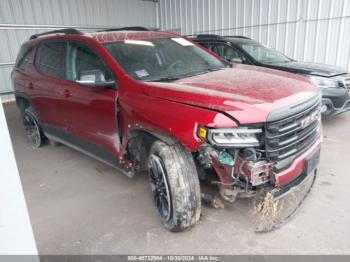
[[264, 54], [163, 59]]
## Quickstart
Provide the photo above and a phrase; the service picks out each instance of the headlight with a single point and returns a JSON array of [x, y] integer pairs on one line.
[[324, 82], [230, 137]]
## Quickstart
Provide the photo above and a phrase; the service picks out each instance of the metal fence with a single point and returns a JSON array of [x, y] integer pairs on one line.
[[19, 19]]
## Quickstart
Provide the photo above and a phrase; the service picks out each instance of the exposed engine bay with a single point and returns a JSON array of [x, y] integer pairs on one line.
[[251, 175], [246, 167]]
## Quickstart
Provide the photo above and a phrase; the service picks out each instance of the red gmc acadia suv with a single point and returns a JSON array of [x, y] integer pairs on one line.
[[146, 100]]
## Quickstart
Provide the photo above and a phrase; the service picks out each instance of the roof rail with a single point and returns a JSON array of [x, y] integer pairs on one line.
[[127, 28], [238, 36], [67, 31]]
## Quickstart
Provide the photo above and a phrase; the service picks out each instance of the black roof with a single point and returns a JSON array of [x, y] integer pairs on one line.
[[233, 38], [238, 36], [205, 36], [236, 39], [128, 28]]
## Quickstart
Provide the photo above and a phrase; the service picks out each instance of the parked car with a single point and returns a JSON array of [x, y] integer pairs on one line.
[[144, 100], [334, 81]]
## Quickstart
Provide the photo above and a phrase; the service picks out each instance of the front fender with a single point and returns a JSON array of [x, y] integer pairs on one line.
[[168, 120]]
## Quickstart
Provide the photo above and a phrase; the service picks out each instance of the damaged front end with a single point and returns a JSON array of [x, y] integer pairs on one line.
[[241, 160], [237, 157]]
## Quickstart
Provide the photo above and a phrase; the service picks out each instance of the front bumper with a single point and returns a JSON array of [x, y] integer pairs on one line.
[[335, 101], [284, 179], [289, 188], [287, 199], [328, 108], [286, 202], [298, 167]]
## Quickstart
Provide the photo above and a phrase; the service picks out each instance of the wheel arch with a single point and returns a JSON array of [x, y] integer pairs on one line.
[[140, 142], [23, 101]]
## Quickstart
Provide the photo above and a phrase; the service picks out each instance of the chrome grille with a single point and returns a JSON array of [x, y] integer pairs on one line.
[[290, 136]]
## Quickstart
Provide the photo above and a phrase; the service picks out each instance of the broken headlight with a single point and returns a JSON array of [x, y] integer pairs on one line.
[[231, 137]]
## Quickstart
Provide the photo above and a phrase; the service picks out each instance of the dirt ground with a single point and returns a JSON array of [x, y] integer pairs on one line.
[[78, 205]]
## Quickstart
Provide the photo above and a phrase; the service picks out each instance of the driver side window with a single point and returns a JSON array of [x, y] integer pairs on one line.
[[83, 64], [226, 52]]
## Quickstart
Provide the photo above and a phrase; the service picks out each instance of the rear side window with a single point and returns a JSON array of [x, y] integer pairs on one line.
[[51, 59], [23, 58]]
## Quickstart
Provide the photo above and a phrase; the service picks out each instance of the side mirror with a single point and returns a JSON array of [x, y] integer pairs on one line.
[[236, 60], [94, 78]]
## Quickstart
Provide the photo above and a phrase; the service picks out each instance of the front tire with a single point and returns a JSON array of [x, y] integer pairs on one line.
[[174, 182]]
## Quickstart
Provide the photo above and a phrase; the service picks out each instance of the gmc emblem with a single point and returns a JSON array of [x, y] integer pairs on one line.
[[305, 122]]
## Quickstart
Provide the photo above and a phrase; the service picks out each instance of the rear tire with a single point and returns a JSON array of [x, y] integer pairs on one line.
[[33, 130], [174, 182]]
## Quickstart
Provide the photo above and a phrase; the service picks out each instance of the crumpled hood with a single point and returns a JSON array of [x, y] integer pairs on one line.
[[310, 68], [246, 93]]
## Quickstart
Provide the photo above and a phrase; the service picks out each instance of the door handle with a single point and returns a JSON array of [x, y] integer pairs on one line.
[[66, 93], [30, 85]]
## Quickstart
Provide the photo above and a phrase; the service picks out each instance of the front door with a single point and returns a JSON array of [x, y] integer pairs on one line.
[[91, 110]]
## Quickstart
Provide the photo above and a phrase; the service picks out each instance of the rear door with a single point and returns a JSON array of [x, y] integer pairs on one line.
[[94, 121], [49, 83], [21, 74]]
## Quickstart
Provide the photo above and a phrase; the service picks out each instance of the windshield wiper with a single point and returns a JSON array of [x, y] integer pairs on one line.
[[169, 78], [279, 62], [216, 69], [274, 61], [204, 71], [164, 79]]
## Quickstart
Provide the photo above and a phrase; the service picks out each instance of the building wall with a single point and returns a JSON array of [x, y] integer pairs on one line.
[[306, 30], [19, 19]]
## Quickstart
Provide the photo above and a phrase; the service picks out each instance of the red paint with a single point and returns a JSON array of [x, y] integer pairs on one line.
[[245, 93], [297, 167]]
